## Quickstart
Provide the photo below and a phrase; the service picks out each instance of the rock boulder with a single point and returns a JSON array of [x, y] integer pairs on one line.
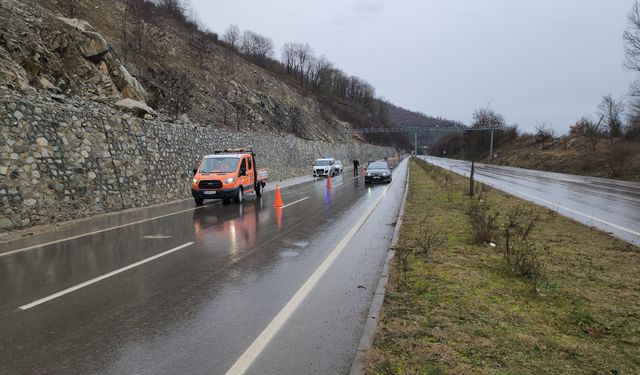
[[135, 107]]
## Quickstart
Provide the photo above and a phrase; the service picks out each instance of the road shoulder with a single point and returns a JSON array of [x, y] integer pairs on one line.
[[371, 324]]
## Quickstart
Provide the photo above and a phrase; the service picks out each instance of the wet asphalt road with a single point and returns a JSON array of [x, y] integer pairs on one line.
[[196, 309], [610, 205]]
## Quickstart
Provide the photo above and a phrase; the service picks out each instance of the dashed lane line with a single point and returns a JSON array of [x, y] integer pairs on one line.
[[100, 278]]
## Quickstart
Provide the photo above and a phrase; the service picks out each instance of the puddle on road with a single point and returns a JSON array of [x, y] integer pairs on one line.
[[289, 254], [300, 244]]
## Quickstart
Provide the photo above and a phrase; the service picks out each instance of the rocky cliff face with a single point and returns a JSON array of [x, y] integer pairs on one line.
[[41, 50]]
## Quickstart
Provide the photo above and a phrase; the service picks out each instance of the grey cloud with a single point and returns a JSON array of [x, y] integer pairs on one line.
[[364, 6]]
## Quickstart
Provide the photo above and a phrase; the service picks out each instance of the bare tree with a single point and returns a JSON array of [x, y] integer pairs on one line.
[[299, 61], [618, 156], [171, 6], [302, 53], [632, 39], [487, 118], [477, 143], [634, 99], [632, 130], [612, 111], [585, 127], [288, 57], [232, 36], [256, 47], [139, 14], [544, 134], [322, 74]]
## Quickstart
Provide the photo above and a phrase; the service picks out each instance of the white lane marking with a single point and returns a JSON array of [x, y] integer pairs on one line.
[[253, 351], [292, 203], [557, 206], [335, 186], [100, 278], [95, 232]]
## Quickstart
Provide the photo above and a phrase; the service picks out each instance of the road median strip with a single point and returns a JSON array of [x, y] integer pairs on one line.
[[373, 316], [560, 299]]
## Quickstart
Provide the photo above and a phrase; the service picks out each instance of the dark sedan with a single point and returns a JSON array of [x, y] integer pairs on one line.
[[377, 171]]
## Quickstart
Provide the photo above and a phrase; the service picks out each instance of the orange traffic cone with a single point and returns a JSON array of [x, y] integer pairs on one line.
[[329, 181], [278, 201]]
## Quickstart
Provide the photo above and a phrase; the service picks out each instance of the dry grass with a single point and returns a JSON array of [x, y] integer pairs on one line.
[[464, 311], [574, 156]]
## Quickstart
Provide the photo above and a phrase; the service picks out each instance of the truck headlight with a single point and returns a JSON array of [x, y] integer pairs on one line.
[[194, 181], [230, 180], [368, 174], [384, 173]]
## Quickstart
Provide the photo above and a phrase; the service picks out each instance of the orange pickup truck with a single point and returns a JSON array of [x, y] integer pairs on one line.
[[227, 175]]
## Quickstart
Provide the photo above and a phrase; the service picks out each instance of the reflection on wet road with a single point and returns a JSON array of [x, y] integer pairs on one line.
[[610, 205], [193, 288]]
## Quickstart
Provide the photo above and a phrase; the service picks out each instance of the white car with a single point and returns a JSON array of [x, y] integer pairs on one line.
[[326, 167], [338, 166]]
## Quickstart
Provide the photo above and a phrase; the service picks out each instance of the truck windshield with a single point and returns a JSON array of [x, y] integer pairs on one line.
[[219, 164], [323, 163]]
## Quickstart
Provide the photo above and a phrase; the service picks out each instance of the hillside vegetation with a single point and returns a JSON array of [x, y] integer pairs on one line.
[[157, 53], [591, 148], [574, 155]]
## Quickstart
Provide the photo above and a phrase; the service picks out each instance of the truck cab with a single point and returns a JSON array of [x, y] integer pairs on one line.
[[227, 175]]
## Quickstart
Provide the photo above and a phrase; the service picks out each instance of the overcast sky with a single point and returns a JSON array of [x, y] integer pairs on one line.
[[533, 61]]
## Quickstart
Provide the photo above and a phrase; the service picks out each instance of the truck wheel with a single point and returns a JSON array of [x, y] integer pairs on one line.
[[238, 197], [259, 190], [199, 201]]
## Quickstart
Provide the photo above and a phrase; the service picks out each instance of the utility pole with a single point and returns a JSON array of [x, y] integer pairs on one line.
[[491, 149], [472, 181], [415, 143]]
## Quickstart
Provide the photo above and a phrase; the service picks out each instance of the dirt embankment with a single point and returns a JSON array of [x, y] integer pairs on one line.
[[582, 156]]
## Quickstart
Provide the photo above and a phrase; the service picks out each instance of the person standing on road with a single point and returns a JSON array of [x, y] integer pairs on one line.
[[356, 164]]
